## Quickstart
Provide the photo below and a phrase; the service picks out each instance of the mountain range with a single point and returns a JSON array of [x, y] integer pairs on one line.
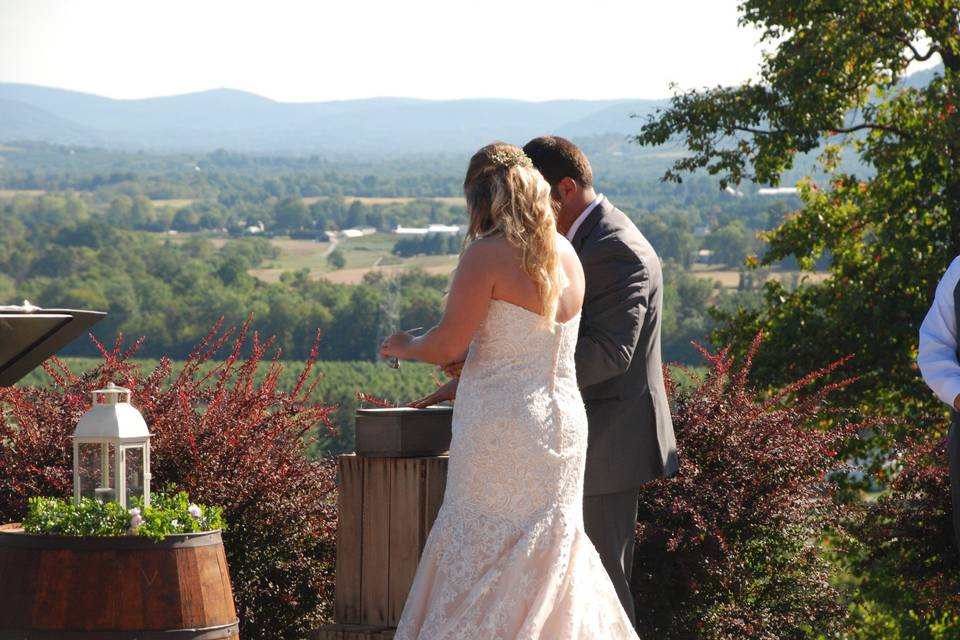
[[246, 122], [240, 121]]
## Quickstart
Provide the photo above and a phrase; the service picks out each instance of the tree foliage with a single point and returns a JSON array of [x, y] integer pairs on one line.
[[836, 82]]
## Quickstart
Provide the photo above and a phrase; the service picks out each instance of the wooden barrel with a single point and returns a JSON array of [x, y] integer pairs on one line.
[[116, 588]]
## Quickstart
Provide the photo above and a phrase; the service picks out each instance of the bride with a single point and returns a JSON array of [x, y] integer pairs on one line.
[[508, 557]]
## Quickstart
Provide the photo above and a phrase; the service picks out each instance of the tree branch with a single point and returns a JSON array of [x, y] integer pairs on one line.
[[917, 56], [854, 128]]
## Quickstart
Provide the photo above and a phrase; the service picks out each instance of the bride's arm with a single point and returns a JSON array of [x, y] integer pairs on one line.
[[467, 302]]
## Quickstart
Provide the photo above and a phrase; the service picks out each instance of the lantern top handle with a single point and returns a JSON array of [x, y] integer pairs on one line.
[[112, 394]]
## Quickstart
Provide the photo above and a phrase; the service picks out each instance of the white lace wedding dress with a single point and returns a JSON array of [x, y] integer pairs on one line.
[[508, 558]]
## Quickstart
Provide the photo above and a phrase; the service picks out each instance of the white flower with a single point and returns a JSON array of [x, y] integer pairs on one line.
[[136, 520], [175, 523], [134, 512], [195, 512]]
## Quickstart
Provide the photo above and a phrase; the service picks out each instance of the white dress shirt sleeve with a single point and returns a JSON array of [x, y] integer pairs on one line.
[[937, 357]]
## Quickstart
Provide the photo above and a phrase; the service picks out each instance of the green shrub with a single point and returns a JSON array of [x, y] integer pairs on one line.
[[165, 516]]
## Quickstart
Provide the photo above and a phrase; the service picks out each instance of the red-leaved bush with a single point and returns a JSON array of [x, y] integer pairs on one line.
[[910, 558], [731, 547], [227, 435]]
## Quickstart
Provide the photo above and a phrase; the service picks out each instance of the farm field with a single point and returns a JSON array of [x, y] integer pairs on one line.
[[369, 253], [730, 278], [370, 201], [175, 203], [374, 253], [9, 194]]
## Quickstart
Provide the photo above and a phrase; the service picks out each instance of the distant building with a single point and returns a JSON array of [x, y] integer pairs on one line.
[[776, 191], [358, 233], [422, 231], [255, 229], [735, 192], [701, 231]]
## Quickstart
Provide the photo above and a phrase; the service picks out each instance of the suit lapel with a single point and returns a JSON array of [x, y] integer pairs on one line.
[[587, 226]]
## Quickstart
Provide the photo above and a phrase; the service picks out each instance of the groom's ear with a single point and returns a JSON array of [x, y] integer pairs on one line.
[[567, 187]]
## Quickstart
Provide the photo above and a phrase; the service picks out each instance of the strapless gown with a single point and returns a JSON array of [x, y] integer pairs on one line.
[[508, 558]]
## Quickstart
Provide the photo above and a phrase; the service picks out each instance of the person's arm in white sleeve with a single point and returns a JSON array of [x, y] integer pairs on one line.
[[937, 357]]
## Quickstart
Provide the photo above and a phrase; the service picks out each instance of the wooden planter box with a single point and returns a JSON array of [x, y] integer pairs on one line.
[[78, 588]]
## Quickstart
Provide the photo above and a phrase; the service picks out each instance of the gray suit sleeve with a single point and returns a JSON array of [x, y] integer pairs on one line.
[[613, 312]]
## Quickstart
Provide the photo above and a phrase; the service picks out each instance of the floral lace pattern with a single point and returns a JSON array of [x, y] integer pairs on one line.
[[508, 558]]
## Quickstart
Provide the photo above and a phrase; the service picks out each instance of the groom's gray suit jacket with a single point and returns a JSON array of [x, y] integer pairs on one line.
[[631, 439]]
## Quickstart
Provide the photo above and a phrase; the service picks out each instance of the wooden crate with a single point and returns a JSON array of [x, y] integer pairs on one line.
[[402, 432], [387, 507]]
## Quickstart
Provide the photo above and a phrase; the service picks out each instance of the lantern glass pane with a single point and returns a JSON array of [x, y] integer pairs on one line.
[[133, 461], [96, 469]]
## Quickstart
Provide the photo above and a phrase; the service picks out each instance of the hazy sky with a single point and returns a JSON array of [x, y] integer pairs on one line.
[[300, 50]]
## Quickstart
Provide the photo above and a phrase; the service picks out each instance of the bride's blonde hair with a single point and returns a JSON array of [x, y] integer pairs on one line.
[[506, 194]]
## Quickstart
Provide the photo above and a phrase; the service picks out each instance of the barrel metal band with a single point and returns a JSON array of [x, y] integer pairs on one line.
[[18, 540], [207, 633]]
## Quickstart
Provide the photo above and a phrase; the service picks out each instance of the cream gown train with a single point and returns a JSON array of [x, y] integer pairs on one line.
[[508, 558]]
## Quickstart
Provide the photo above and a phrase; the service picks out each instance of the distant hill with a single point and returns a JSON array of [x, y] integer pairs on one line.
[[245, 122], [239, 121]]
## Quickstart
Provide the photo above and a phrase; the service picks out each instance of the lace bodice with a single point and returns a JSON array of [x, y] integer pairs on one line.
[[519, 382]]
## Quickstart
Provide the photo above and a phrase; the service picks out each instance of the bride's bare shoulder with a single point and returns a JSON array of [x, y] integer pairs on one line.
[[489, 248], [486, 253]]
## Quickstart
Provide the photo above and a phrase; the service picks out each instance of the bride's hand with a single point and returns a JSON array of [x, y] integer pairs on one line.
[[396, 346]]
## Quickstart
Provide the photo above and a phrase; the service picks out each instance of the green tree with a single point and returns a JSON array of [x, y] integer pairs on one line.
[[730, 243], [837, 82], [336, 259], [292, 213]]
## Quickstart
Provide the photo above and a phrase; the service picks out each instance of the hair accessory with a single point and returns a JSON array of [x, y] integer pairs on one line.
[[507, 158]]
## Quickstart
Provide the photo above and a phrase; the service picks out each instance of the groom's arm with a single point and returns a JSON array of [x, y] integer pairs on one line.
[[614, 308]]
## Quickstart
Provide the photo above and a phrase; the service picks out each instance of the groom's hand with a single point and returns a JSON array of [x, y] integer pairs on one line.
[[452, 369], [442, 394]]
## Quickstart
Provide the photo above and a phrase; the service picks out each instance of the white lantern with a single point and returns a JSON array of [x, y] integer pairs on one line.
[[111, 450]]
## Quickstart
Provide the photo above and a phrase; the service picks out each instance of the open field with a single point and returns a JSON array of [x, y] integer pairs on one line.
[[217, 240], [9, 194], [176, 203], [374, 253], [370, 201], [730, 279], [355, 276], [369, 253]]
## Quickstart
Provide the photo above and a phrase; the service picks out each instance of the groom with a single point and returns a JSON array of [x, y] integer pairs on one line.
[[631, 439]]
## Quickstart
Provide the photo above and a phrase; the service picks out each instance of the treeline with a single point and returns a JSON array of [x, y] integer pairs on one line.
[[174, 292], [722, 232], [431, 244], [229, 191]]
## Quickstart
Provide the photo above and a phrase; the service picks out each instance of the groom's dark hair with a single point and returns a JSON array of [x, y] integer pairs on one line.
[[557, 158]]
